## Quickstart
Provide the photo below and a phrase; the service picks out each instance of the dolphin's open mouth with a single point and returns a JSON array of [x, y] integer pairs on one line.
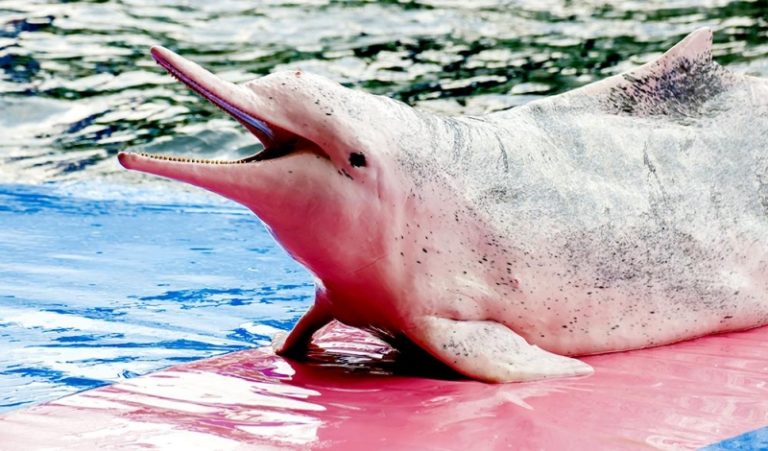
[[276, 142]]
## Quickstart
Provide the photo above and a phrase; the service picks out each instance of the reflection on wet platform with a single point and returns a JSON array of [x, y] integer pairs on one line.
[[352, 393]]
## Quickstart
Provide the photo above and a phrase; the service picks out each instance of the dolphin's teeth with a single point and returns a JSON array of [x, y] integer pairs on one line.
[[187, 160]]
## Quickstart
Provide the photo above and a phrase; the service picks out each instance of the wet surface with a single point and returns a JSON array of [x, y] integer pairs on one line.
[[677, 397]]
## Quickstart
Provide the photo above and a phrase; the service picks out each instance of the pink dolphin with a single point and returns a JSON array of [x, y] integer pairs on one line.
[[632, 212]]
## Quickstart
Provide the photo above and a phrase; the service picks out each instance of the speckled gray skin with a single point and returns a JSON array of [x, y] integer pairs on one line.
[[629, 213]]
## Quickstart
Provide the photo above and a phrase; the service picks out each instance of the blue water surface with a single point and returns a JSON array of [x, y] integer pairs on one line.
[[94, 291], [753, 440]]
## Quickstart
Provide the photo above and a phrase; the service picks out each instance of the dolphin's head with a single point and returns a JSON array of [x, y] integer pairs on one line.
[[322, 173]]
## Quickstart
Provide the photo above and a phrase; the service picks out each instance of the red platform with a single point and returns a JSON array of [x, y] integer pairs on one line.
[[676, 397]]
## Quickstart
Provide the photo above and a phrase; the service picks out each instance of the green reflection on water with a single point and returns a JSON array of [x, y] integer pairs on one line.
[[85, 64]]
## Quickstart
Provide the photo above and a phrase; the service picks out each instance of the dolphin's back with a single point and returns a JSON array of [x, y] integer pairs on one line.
[[648, 188]]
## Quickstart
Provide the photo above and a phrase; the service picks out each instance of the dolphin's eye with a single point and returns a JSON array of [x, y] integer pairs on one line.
[[357, 160]]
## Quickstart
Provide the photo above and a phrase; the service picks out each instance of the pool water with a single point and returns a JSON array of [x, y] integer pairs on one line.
[[94, 291], [106, 274]]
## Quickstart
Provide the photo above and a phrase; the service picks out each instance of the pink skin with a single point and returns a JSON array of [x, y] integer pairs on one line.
[[412, 226], [306, 168], [330, 187], [332, 190]]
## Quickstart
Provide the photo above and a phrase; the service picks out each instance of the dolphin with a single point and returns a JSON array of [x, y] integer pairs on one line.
[[628, 213]]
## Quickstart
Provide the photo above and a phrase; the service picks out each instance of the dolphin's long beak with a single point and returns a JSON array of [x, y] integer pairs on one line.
[[236, 180], [239, 102]]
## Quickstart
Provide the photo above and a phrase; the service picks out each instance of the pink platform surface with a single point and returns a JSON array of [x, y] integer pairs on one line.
[[351, 395]]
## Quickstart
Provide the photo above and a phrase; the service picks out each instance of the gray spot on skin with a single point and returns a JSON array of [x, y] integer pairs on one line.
[[599, 198], [677, 92]]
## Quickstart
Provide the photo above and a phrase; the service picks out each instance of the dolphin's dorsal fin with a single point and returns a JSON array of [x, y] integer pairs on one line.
[[697, 46], [676, 84]]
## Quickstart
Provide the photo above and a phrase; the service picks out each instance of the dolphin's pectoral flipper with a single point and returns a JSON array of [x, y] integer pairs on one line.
[[296, 341], [490, 351]]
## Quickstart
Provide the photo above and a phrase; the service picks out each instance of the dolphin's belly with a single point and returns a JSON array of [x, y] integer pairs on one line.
[[602, 296]]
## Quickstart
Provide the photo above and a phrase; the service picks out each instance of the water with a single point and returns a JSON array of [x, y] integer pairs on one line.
[[78, 85], [106, 274], [97, 291]]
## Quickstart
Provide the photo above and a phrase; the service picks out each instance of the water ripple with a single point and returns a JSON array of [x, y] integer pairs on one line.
[[79, 86], [79, 309]]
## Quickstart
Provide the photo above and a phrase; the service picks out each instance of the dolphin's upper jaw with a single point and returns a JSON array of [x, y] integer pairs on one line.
[[259, 128]]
